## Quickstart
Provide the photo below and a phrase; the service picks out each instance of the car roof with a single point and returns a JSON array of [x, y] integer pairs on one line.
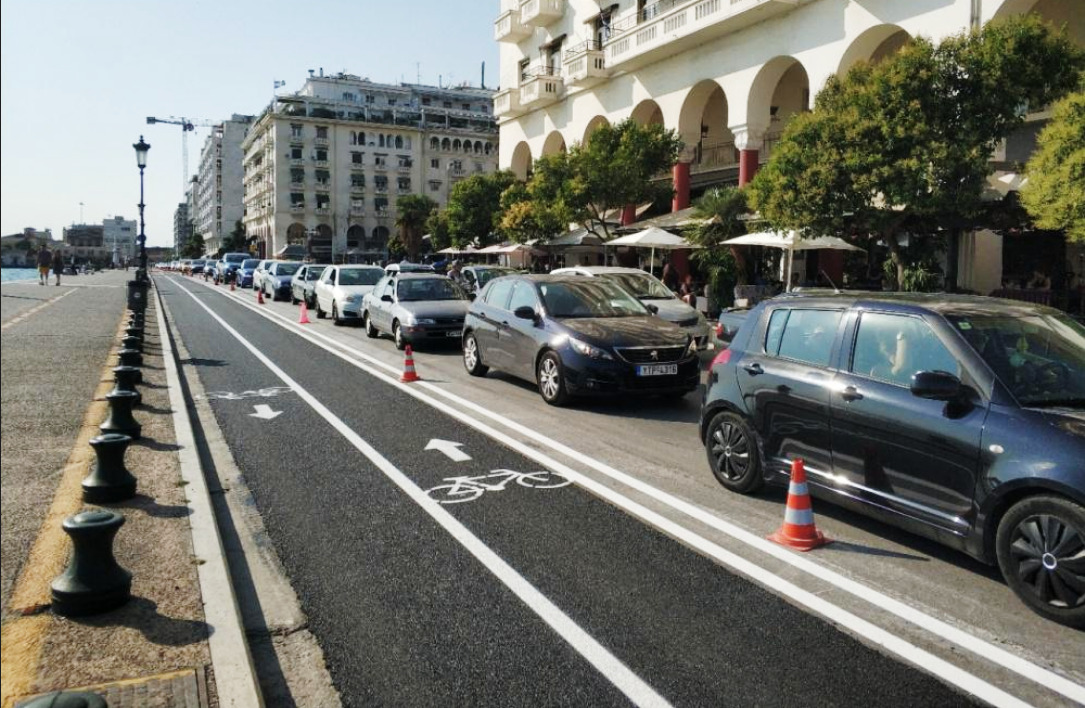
[[599, 270], [422, 276], [942, 303], [354, 266]]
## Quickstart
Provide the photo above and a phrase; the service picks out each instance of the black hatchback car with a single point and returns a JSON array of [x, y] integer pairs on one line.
[[959, 418], [572, 335]]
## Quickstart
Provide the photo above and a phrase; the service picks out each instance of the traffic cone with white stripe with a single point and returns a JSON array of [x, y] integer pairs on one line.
[[304, 319], [409, 374], [798, 530]]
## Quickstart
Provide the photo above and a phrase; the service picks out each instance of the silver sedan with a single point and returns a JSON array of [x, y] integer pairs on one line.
[[415, 307]]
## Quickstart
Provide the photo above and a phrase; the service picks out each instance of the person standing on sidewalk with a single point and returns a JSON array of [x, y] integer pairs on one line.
[[58, 265], [45, 260]]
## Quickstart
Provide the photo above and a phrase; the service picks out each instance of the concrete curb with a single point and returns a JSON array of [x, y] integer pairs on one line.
[[235, 676]]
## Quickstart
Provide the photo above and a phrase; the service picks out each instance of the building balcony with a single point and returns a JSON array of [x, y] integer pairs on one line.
[[404, 168], [357, 165], [320, 163], [380, 167], [540, 13], [669, 27], [404, 190], [507, 103], [508, 28], [297, 162], [295, 208], [382, 214], [381, 189], [323, 186], [357, 211], [357, 189], [541, 86], [585, 64], [320, 141], [322, 211]]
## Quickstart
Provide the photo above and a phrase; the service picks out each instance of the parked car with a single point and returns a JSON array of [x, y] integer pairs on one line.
[[259, 273], [651, 291], [277, 279], [572, 335], [246, 271], [198, 266], [341, 290], [408, 268], [728, 323], [228, 264], [303, 284], [415, 307], [475, 277], [958, 418]]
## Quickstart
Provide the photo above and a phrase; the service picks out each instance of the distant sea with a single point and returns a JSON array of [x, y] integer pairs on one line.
[[9, 274]]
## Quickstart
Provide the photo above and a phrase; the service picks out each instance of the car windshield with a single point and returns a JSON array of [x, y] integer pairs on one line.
[[642, 285], [234, 258], [287, 268], [250, 264], [415, 289], [314, 272], [1040, 358], [597, 297], [485, 275], [360, 276]]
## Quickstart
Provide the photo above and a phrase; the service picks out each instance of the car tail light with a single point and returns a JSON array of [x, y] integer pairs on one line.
[[719, 329], [723, 357]]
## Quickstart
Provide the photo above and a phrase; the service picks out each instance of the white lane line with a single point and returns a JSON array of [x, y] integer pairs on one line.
[[635, 689], [909, 652], [37, 308]]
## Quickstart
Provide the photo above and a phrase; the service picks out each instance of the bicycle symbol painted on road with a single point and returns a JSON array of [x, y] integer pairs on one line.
[[269, 392], [465, 489]]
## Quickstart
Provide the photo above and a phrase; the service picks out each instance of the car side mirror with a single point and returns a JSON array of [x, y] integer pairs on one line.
[[386, 298], [471, 296], [654, 309], [525, 313], [936, 386]]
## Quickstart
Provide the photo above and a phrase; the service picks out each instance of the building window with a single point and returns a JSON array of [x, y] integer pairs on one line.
[[356, 157], [391, 101], [435, 163], [425, 100], [322, 131], [434, 185], [381, 183], [323, 177], [357, 180], [369, 99], [404, 184], [321, 155], [447, 104], [466, 106], [295, 130], [295, 154], [322, 201], [297, 175], [380, 204], [348, 96], [380, 160], [405, 161], [434, 143], [297, 199]]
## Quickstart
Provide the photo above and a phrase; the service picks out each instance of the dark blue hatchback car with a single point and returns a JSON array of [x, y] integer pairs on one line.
[[959, 418]]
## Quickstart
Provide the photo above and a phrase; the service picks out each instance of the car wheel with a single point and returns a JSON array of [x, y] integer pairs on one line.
[[397, 335], [370, 330], [1041, 551], [551, 379], [733, 453], [293, 300], [320, 314], [335, 315], [472, 357]]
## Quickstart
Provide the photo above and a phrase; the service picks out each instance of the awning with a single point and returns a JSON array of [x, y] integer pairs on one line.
[[602, 11], [674, 220], [652, 237], [579, 237]]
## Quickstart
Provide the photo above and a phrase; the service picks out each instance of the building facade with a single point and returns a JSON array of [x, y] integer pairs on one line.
[[119, 238], [323, 167], [18, 250], [182, 224], [85, 243], [220, 192]]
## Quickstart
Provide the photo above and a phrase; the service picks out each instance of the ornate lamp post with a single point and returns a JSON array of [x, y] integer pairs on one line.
[[141, 161]]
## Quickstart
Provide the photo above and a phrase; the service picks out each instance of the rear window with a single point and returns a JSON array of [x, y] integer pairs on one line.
[[802, 335]]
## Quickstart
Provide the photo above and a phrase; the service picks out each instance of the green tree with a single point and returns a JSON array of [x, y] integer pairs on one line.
[[412, 213], [474, 208], [525, 219], [903, 147], [193, 246], [1055, 192], [437, 226], [724, 265], [236, 242]]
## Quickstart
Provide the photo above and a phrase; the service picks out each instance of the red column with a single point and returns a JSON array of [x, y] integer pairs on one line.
[[629, 214], [681, 186], [747, 166]]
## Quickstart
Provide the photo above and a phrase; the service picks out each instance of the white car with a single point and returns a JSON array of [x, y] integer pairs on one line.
[[259, 273], [341, 288], [652, 292]]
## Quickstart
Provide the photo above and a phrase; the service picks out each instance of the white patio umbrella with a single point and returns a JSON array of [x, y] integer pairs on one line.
[[653, 237], [790, 241]]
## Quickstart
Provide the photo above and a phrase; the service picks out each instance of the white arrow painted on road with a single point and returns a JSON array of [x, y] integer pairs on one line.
[[264, 412], [449, 448]]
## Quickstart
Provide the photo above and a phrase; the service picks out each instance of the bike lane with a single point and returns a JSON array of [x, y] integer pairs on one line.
[[693, 631]]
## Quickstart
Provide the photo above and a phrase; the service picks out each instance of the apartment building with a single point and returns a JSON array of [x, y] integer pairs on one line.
[[219, 196], [182, 223], [84, 243], [119, 238], [323, 167], [726, 74]]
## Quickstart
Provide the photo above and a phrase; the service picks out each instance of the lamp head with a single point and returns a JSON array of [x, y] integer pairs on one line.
[[141, 152]]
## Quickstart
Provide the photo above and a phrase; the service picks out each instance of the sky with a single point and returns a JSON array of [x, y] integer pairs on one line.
[[80, 77]]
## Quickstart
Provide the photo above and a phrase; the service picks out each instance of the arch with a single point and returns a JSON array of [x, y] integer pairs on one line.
[[478, 147], [380, 141], [703, 117], [407, 143], [521, 160], [780, 89], [1014, 7], [489, 148], [295, 234], [399, 142], [593, 125], [388, 140], [353, 138], [456, 145], [873, 45], [446, 145], [378, 239], [361, 137], [554, 143], [434, 143], [355, 237], [647, 112]]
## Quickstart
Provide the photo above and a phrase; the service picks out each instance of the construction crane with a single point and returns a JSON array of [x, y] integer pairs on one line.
[[187, 125]]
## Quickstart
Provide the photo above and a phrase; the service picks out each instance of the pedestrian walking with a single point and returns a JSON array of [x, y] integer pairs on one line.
[[58, 265], [45, 261], [455, 273]]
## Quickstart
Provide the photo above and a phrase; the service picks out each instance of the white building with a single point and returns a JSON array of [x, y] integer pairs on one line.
[[220, 192], [119, 238], [323, 167], [726, 74]]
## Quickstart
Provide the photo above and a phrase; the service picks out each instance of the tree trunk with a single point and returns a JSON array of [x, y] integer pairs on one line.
[[742, 276], [895, 255]]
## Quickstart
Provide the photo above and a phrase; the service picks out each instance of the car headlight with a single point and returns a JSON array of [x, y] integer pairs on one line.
[[354, 298], [425, 321], [585, 349]]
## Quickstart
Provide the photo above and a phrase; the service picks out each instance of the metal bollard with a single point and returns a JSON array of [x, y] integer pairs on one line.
[[130, 357], [93, 582], [126, 378], [67, 699], [109, 480], [120, 418], [132, 343], [134, 331]]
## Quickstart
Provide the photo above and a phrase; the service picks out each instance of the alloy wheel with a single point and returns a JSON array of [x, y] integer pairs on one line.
[[731, 450], [470, 353], [1049, 557], [549, 378]]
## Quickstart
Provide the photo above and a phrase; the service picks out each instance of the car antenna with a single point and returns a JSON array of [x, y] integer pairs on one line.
[[836, 290]]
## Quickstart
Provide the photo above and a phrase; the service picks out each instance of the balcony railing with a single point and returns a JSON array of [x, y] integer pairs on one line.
[[357, 165], [672, 26], [585, 64], [713, 156], [320, 141], [322, 211], [323, 186], [357, 189], [508, 28], [297, 207], [357, 211], [507, 103], [541, 86], [540, 13], [320, 163]]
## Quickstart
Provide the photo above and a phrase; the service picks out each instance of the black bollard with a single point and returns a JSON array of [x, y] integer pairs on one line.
[[130, 357], [93, 582], [126, 378], [134, 331], [67, 699], [134, 343], [109, 480], [120, 418]]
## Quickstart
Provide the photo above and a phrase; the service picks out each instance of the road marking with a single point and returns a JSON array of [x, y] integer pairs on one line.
[[986, 650], [269, 392], [264, 412], [465, 489], [450, 449], [31, 311], [595, 653]]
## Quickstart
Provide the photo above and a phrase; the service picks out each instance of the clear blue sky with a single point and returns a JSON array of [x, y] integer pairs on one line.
[[80, 77]]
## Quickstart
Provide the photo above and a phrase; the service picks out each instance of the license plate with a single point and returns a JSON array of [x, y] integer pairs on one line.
[[453, 334], [657, 370]]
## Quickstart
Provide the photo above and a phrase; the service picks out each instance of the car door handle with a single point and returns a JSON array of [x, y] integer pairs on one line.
[[753, 369], [851, 394]]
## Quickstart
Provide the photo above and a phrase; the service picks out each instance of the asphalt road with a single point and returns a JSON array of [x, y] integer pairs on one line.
[[408, 613]]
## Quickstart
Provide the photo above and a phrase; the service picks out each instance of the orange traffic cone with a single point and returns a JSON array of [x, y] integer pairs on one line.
[[304, 319], [232, 287], [409, 374], [798, 530], [259, 296]]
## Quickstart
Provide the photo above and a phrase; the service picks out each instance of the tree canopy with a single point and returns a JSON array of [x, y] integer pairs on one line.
[[1055, 192], [474, 207], [412, 213]]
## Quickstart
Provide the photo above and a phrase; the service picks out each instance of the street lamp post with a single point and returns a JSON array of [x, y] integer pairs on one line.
[[141, 161]]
